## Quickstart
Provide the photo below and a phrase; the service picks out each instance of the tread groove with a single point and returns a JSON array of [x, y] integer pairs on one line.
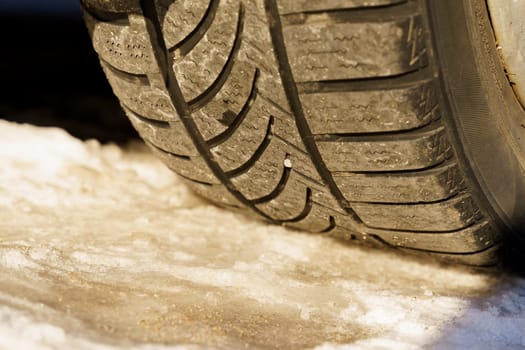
[[426, 192], [153, 122], [184, 46], [381, 83], [203, 99], [371, 230], [275, 104], [484, 249], [183, 109], [382, 136], [293, 99], [308, 178], [331, 225], [204, 183], [124, 75], [280, 138], [374, 14], [180, 156], [442, 200], [278, 189], [256, 155], [225, 135], [306, 210]]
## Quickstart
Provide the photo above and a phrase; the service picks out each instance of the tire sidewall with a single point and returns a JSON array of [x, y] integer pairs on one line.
[[483, 112]]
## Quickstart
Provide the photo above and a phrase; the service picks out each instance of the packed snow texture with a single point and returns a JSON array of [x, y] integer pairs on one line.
[[102, 247]]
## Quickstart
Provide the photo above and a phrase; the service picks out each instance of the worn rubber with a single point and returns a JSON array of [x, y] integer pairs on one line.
[[319, 115]]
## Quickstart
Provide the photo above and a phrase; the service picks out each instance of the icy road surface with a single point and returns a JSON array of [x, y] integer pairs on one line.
[[103, 248]]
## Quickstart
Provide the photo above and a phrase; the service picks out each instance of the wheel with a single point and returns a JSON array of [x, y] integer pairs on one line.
[[389, 121]]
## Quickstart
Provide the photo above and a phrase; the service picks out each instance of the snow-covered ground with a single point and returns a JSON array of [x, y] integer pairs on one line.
[[102, 247]]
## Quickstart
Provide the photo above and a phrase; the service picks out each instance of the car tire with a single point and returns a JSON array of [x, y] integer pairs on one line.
[[385, 121]]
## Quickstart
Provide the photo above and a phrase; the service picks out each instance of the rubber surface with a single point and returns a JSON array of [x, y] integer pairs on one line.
[[485, 116], [323, 116]]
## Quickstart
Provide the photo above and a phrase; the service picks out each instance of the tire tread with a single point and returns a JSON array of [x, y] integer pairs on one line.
[[233, 96]]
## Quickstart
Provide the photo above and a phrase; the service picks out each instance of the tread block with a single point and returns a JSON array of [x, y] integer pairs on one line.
[[264, 175], [205, 64], [296, 201], [135, 93], [319, 220], [415, 150], [181, 18], [239, 90], [297, 6], [374, 49], [169, 136], [471, 239], [245, 141], [241, 98], [257, 45], [125, 47], [284, 126], [453, 214], [257, 49], [262, 178], [191, 168], [293, 204], [404, 187], [370, 111], [320, 193]]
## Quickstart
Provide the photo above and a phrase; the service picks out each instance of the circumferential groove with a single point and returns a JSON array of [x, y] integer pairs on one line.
[[226, 134], [257, 154], [203, 99], [188, 43], [292, 95]]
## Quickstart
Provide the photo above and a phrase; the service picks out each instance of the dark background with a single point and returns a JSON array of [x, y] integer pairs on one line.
[[50, 73]]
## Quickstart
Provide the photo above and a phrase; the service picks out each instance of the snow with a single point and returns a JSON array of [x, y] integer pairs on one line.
[[102, 247]]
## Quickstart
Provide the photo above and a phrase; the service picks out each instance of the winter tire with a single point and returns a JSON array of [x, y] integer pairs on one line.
[[390, 121]]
